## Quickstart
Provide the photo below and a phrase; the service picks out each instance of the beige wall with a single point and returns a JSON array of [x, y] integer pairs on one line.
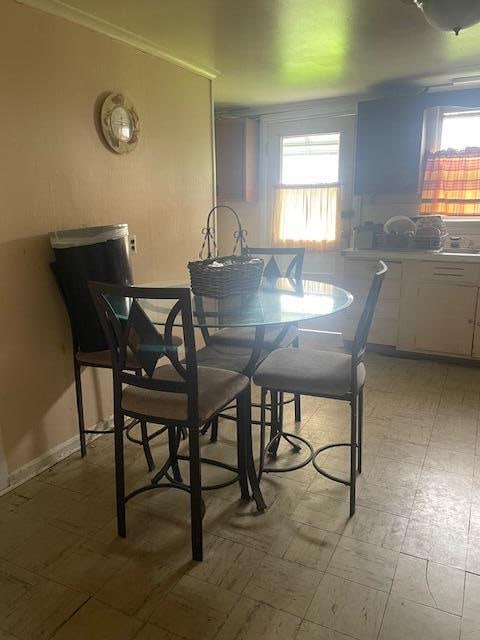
[[379, 208], [55, 173]]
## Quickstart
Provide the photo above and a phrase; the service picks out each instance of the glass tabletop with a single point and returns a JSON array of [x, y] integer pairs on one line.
[[285, 301]]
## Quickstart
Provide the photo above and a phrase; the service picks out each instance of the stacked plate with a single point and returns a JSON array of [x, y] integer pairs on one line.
[[431, 233]]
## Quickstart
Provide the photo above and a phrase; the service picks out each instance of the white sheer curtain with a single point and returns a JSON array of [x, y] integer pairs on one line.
[[307, 215]]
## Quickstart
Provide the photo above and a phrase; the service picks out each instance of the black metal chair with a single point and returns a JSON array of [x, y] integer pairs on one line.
[[232, 346], [324, 374], [99, 360], [245, 336], [179, 395]]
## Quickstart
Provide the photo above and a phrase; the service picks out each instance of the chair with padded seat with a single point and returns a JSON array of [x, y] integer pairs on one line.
[[100, 360], [179, 395], [232, 345], [326, 374], [245, 336]]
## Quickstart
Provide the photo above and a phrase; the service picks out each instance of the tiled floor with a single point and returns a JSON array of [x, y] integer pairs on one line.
[[406, 567]]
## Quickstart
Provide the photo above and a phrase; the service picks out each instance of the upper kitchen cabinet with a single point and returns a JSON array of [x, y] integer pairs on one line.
[[388, 147], [236, 143]]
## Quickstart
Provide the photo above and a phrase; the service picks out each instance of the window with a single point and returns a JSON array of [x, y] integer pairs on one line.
[[460, 129], [451, 183], [310, 159], [307, 200]]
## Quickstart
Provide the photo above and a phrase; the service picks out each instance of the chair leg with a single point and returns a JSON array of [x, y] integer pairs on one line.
[[78, 392], [279, 428], [173, 442], [120, 475], [298, 410], [360, 429], [195, 493], [241, 457], [263, 403], [245, 405], [353, 452], [146, 446], [281, 406], [273, 448], [214, 433]]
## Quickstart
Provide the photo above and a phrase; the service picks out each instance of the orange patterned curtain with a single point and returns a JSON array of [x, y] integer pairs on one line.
[[451, 185]]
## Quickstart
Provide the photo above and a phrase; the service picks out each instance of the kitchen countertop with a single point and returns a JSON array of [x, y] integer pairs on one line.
[[400, 255]]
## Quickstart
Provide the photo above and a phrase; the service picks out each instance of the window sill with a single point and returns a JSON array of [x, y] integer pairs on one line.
[[454, 220]]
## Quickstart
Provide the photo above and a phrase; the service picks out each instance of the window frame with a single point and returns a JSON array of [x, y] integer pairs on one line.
[[307, 135], [453, 111], [300, 123], [433, 125], [432, 136], [317, 243]]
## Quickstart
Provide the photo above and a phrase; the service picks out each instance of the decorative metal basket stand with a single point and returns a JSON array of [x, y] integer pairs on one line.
[[219, 277]]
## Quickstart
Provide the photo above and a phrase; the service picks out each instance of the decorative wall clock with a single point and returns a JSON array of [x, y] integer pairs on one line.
[[120, 124]]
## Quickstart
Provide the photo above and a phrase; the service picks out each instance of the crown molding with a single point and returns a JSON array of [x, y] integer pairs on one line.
[[72, 14], [323, 107]]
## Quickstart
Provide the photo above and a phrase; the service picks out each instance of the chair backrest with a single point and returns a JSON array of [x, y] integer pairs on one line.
[[273, 269], [363, 328], [142, 319]]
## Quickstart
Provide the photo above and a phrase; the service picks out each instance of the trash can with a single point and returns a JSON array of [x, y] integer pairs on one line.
[[92, 253]]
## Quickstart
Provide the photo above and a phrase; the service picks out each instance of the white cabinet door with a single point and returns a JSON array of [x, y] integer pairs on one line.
[[444, 318]]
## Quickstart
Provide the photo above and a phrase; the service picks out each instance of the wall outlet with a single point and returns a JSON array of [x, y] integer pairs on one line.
[[133, 244]]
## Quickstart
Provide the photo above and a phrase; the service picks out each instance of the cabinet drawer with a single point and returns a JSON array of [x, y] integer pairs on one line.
[[449, 272], [366, 269]]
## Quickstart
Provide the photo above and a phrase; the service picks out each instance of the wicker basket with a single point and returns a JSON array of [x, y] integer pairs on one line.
[[219, 277], [237, 275]]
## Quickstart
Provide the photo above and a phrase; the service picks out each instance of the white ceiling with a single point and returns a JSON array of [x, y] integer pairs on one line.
[[273, 51]]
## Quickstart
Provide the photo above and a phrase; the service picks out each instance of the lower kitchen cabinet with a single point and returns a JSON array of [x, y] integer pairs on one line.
[[357, 279], [426, 306], [445, 318]]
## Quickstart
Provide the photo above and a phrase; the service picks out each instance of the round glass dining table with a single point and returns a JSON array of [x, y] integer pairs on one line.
[[282, 302]]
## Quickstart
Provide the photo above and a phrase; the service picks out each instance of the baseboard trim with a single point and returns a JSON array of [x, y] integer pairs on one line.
[[50, 458], [390, 350], [73, 14]]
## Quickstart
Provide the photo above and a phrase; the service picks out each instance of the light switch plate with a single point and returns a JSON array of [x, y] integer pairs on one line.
[[133, 243]]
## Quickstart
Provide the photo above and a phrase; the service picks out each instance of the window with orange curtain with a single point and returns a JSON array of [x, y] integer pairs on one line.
[[451, 184], [306, 205]]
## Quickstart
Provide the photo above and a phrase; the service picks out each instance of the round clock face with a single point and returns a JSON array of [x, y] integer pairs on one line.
[[120, 124]]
